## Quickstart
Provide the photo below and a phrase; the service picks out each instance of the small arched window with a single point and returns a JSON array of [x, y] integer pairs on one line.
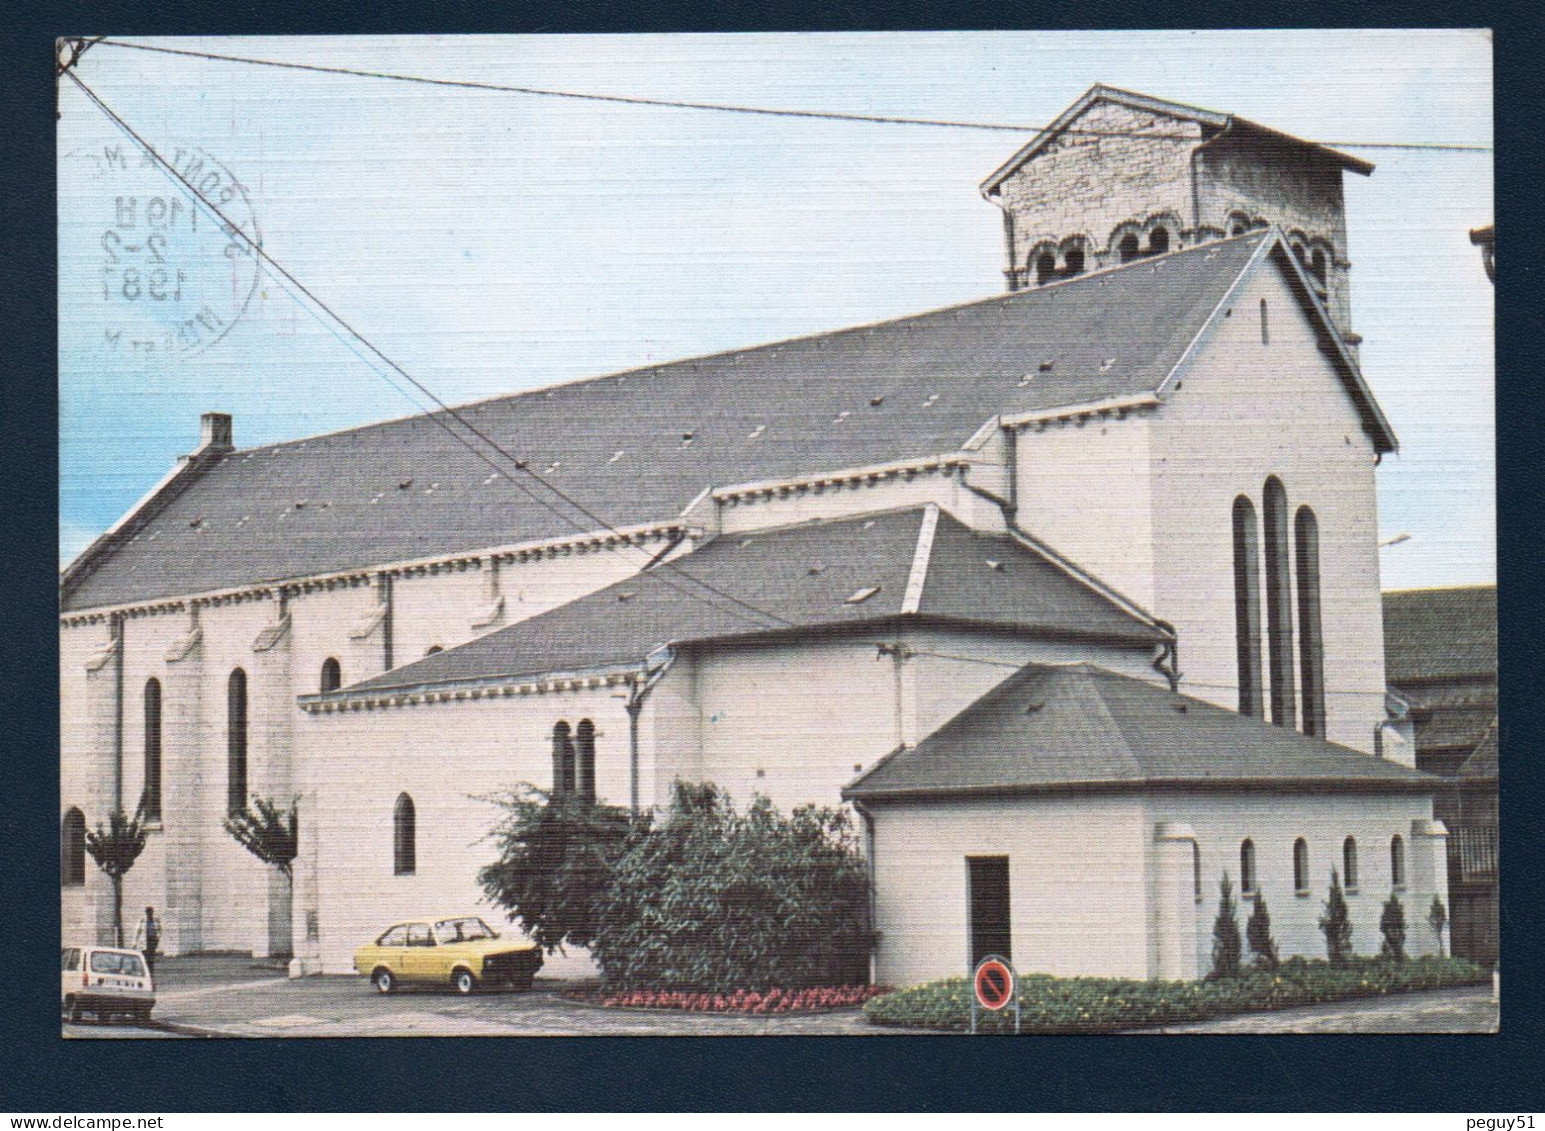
[[1317, 266], [153, 749], [236, 742], [1279, 607], [1045, 267], [1247, 607], [332, 675], [432, 649], [1239, 228], [584, 774], [1311, 646], [1265, 326], [1074, 263], [1301, 866], [1158, 241], [1397, 862], [1298, 254], [72, 848], [404, 837], [563, 759], [1349, 862], [1247, 867], [1128, 247]]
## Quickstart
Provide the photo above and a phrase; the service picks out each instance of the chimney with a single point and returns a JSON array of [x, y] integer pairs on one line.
[[215, 432]]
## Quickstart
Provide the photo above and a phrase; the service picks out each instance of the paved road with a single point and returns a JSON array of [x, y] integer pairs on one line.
[[234, 997]]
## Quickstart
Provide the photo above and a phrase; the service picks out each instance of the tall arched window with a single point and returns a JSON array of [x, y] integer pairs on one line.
[[404, 837], [563, 759], [1265, 326], [1397, 862], [1247, 606], [1247, 867], [1349, 863], [584, 776], [1158, 241], [1045, 267], [1196, 871], [332, 675], [1279, 608], [236, 742], [72, 848], [1301, 866], [153, 749], [1311, 646], [1128, 247]]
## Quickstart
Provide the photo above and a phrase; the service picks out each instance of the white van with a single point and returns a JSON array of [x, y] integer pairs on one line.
[[105, 980]]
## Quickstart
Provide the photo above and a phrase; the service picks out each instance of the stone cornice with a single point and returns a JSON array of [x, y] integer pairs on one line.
[[347, 579], [906, 470], [338, 702]]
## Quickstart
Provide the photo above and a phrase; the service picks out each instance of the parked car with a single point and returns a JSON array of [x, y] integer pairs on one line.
[[105, 980], [461, 951]]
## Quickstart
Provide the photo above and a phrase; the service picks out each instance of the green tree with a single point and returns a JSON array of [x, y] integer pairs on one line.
[[1336, 924], [555, 858], [1437, 919], [714, 900], [115, 848], [1392, 925], [1225, 933], [269, 832], [1258, 933]]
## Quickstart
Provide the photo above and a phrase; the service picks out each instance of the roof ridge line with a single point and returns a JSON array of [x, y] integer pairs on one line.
[[922, 556]]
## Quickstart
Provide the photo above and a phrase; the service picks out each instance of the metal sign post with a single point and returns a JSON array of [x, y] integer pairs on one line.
[[994, 987]]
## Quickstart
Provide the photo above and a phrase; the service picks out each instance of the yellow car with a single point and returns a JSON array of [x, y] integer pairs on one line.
[[457, 950]]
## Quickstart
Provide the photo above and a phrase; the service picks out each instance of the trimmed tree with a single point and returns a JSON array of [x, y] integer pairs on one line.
[[1437, 919], [1258, 934], [1392, 925], [714, 900], [555, 859], [272, 834], [1336, 924], [115, 847], [1225, 934]]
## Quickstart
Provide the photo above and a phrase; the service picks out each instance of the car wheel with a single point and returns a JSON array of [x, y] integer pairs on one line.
[[464, 982], [524, 983], [383, 981], [76, 1012]]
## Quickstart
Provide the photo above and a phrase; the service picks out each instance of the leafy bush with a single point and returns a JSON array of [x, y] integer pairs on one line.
[[1336, 924], [747, 1001], [709, 899], [1225, 934], [555, 859], [115, 848], [1258, 932], [1091, 1005], [1392, 925]]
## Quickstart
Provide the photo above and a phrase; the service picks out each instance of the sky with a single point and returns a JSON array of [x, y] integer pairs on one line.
[[489, 242]]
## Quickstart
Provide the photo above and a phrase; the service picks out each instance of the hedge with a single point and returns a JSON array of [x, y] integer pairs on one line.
[[1096, 1005]]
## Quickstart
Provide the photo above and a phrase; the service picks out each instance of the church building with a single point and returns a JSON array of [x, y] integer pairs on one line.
[[1070, 593]]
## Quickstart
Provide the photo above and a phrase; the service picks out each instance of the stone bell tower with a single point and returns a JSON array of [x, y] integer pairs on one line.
[[1119, 176]]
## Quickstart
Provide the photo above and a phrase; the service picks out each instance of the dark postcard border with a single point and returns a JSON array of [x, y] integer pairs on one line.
[[47, 1074]]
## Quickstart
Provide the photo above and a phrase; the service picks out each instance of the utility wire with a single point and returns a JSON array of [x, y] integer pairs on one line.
[[729, 108], [518, 463]]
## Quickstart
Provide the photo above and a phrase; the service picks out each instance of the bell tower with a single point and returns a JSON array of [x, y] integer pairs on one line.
[[1121, 176]]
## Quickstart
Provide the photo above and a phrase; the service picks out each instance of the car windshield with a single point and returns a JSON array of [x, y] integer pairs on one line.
[[468, 929], [108, 962]]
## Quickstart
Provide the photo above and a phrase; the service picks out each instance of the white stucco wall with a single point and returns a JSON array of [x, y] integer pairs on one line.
[[1219, 436]]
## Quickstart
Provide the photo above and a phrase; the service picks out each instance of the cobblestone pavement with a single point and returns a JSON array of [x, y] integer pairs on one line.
[[237, 997], [1468, 1009]]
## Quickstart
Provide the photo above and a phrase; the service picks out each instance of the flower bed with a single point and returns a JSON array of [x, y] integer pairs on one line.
[[743, 1001], [1095, 1005]]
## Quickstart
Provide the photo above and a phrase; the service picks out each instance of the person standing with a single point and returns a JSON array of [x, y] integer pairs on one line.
[[148, 937]]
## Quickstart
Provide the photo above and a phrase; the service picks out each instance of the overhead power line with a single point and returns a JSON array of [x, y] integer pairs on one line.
[[730, 108], [519, 464]]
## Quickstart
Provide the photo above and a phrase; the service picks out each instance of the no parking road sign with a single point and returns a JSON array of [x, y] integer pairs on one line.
[[992, 987]]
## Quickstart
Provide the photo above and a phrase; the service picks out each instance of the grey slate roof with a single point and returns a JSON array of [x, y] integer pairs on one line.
[[1440, 634], [1082, 727], [804, 575], [1211, 120], [404, 489]]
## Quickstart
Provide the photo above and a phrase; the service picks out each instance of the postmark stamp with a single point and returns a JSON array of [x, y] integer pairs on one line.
[[175, 266]]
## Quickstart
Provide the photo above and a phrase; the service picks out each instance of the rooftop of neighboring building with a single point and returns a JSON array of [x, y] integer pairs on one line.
[[1433, 635]]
